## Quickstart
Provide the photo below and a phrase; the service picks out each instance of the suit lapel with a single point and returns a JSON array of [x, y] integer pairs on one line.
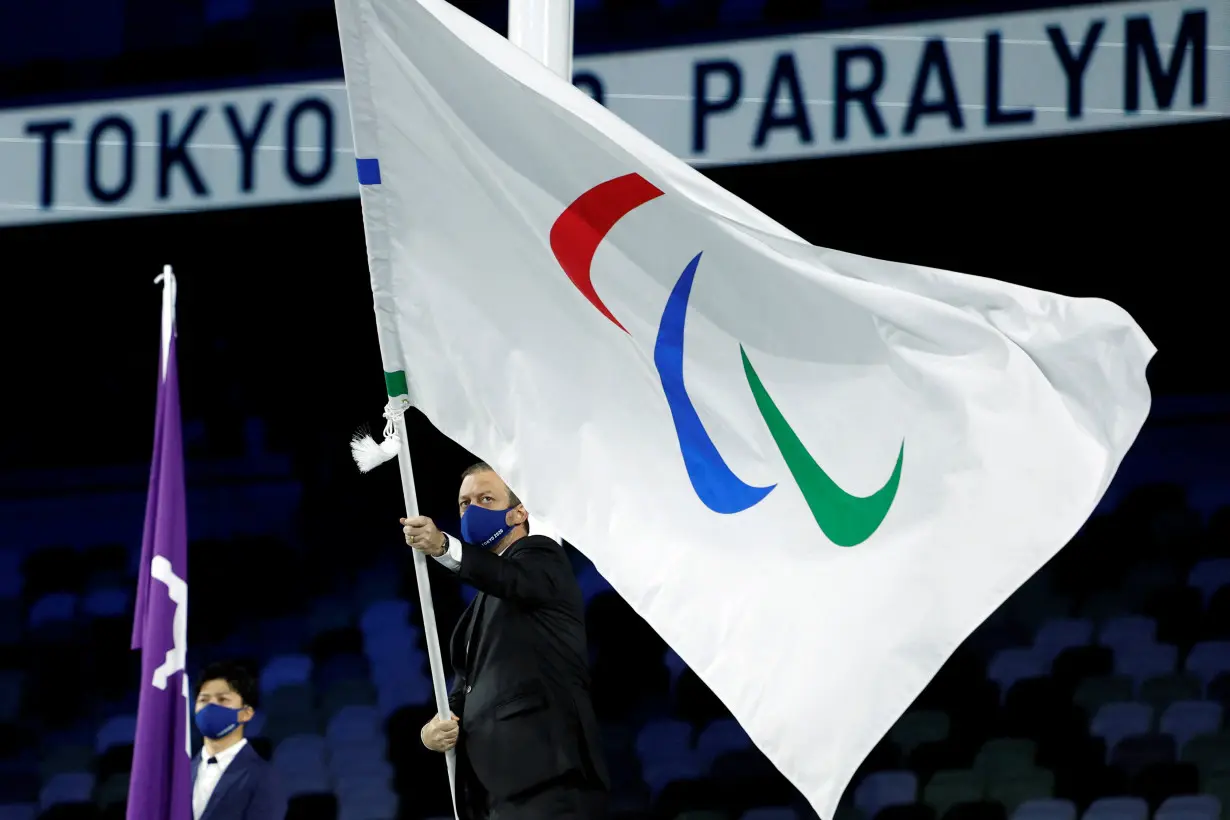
[[476, 613], [233, 774]]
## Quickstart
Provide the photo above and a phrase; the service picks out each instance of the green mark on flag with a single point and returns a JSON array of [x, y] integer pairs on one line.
[[845, 519], [395, 383]]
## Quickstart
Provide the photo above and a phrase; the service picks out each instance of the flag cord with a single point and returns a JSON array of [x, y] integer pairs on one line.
[[393, 412]]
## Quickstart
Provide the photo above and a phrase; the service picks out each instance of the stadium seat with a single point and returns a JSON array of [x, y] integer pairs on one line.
[[1103, 605], [415, 692], [1137, 752], [976, 810], [1014, 788], [1001, 758], [719, 737], [739, 13], [52, 569], [284, 726], [301, 766], [113, 791], [290, 699], [1117, 808], [770, 813], [279, 634], [256, 726], [359, 762], [658, 773], [10, 575], [1146, 661], [1127, 631], [674, 665], [883, 789], [952, 786], [347, 693], [57, 607], [1059, 634], [1094, 693], [1208, 576], [385, 616], [1208, 659], [1209, 753], [1214, 621], [66, 757], [328, 615], [1012, 665], [913, 811], [69, 787], [1218, 690], [664, 738], [344, 666], [920, 726], [309, 804], [11, 684], [591, 582], [285, 671], [1162, 691], [1115, 721], [1184, 720], [1218, 786], [373, 787], [1190, 807], [117, 731], [354, 724], [393, 650], [12, 620], [1045, 810], [375, 584], [105, 603], [1145, 579], [369, 808]]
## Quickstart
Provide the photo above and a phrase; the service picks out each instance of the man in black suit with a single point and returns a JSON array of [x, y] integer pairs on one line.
[[230, 781], [527, 739]]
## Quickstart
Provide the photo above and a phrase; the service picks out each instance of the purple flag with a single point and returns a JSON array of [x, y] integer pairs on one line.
[[161, 783]]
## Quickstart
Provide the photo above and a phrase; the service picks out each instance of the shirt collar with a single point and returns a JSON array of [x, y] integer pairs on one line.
[[225, 756]]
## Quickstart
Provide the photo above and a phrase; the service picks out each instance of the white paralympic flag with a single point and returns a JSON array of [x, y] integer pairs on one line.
[[813, 473]]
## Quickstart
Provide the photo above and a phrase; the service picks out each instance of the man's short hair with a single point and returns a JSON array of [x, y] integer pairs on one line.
[[484, 467], [236, 676]]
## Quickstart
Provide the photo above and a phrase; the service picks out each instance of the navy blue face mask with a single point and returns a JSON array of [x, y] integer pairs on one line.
[[216, 720], [483, 527]]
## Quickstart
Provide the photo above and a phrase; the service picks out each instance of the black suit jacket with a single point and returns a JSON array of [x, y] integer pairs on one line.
[[248, 790], [522, 674]]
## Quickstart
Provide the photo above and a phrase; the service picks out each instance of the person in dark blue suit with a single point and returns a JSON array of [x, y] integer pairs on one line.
[[230, 781]]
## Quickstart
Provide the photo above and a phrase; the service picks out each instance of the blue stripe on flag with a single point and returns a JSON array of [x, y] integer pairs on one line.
[[369, 171]]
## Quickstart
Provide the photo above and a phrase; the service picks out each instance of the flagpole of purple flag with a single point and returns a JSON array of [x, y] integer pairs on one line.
[[161, 783]]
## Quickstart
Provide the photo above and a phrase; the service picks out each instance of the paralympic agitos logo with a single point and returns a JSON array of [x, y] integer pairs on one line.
[[846, 520]]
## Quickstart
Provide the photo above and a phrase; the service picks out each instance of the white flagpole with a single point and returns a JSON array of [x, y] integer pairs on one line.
[[543, 29], [435, 659], [365, 146]]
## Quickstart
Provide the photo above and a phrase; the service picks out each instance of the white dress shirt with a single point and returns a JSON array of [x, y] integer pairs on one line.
[[208, 774], [450, 560]]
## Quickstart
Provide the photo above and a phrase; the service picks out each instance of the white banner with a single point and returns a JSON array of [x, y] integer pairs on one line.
[[812, 95]]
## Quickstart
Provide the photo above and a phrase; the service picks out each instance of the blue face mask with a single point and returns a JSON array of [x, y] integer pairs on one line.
[[483, 527], [215, 721]]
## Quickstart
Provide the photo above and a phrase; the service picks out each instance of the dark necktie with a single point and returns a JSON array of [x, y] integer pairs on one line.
[[211, 760]]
